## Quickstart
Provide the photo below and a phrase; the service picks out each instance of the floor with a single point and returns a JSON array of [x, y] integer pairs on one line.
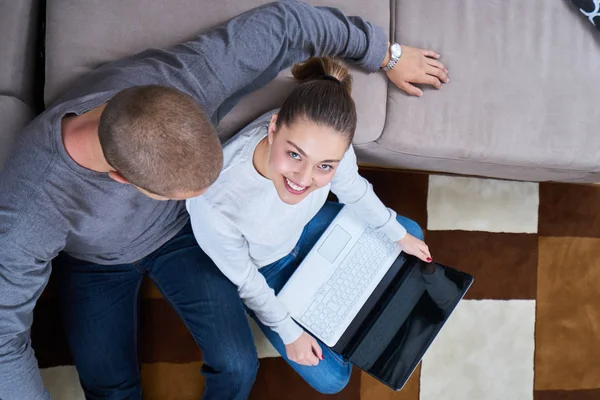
[[529, 327]]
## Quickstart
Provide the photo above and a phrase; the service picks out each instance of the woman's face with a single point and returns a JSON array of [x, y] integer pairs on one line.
[[303, 157]]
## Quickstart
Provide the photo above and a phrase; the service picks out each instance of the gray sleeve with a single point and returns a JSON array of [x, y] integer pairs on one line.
[[245, 53], [22, 280]]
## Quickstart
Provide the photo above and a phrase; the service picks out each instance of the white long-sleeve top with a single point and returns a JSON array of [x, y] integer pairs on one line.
[[242, 224]]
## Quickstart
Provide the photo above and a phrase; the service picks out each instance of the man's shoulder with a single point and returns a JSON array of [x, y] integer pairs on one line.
[[26, 182], [31, 156], [30, 175], [28, 213]]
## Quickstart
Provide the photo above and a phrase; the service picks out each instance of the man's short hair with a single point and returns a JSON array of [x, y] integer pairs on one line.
[[160, 140]]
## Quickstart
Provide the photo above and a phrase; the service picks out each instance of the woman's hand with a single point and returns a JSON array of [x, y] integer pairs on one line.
[[304, 351], [415, 247], [418, 66]]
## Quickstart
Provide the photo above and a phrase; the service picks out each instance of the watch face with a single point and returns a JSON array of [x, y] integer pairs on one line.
[[396, 50]]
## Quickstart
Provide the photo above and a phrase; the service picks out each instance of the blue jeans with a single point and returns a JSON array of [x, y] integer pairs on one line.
[[100, 312], [332, 374]]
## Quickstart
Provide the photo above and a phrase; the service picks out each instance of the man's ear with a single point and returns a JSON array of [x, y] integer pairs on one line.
[[272, 128], [118, 177]]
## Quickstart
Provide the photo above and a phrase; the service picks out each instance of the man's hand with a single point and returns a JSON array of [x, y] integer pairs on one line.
[[416, 247], [304, 351], [417, 66]]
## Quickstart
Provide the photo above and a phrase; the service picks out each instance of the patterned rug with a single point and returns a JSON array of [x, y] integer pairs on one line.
[[529, 327]]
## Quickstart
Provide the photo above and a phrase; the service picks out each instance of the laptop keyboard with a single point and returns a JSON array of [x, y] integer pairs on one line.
[[337, 297]]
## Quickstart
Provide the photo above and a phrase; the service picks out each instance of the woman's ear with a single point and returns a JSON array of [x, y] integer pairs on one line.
[[118, 177], [272, 129]]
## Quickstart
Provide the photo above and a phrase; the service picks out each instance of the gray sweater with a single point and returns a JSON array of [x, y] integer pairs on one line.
[[50, 204]]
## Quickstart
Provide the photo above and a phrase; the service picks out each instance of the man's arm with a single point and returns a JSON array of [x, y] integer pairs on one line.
[[245, 53], [248, 51], [22, 280]]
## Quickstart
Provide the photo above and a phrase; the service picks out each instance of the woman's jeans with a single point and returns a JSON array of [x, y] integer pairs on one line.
[[332, 373]]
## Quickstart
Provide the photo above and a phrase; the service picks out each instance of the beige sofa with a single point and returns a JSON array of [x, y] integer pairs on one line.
[[19, 28], [521, 103]]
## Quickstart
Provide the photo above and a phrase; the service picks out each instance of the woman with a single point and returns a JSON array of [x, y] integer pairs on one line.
[[268, 208]]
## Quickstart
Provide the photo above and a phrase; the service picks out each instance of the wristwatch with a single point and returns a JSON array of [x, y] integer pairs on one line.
[[395, 54]]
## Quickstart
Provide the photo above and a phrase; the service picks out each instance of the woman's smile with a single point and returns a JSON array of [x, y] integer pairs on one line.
[[293, 187]]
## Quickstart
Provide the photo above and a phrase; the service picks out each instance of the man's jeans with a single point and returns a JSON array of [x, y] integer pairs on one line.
[[333, 373], [100, 307]]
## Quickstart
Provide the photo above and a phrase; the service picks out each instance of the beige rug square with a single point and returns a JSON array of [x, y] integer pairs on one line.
[[62, 383], [471, 204], [485, 352]]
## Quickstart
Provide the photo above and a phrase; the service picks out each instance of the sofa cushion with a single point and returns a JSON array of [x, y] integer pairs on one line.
[[14, 115], [523, 92], [82, 35], [18, 35]]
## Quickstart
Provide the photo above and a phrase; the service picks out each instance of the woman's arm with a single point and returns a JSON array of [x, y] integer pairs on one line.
[[356, 192], [225, 245]]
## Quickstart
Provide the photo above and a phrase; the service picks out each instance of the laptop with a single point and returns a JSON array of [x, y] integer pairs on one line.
[[361, 296]]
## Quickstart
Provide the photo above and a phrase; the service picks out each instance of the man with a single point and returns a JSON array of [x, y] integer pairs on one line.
[[85, 178]]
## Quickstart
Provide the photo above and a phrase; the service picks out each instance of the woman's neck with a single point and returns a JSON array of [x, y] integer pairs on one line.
[[260, 158]]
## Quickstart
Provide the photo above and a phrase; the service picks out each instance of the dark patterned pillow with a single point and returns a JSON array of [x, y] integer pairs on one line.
[[591, 9]]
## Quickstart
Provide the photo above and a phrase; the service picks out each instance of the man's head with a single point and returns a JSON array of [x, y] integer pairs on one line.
[[159, 140]]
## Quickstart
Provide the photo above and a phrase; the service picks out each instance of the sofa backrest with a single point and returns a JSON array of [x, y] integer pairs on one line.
[[18, 44], [19, 26]]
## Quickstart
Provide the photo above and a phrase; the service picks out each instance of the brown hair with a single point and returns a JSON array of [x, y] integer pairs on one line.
[[323, 97], [160, 140]]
